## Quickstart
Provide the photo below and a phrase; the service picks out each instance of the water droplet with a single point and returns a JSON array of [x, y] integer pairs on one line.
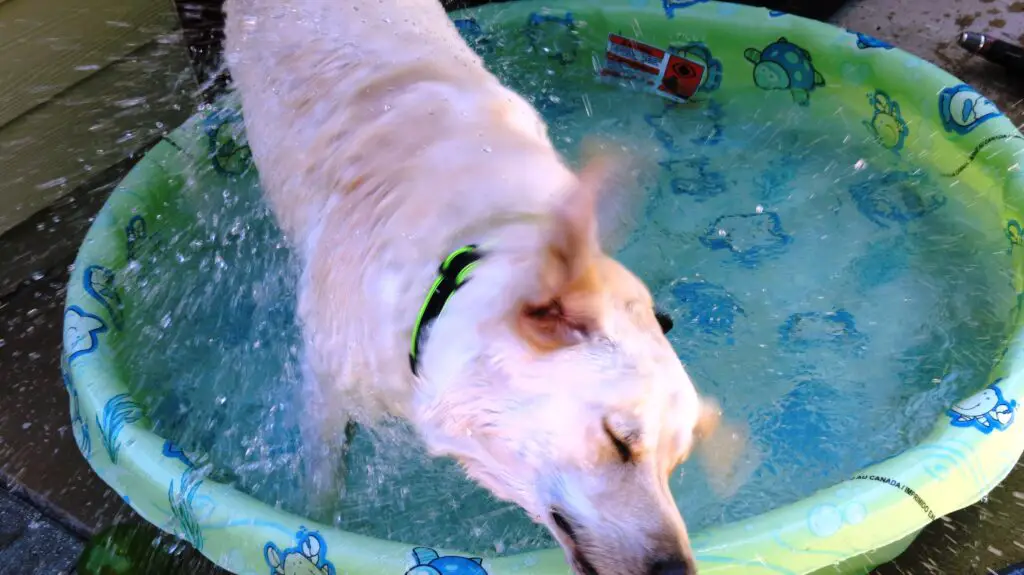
[[57, 182]]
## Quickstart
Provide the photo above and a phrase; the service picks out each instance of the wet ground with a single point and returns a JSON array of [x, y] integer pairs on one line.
[[50, 501]]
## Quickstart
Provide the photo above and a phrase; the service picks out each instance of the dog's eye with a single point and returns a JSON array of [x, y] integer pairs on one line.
[[621, 445], [664, 320]]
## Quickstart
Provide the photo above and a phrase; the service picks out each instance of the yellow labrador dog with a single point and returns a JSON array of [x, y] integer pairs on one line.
[[453, 277]]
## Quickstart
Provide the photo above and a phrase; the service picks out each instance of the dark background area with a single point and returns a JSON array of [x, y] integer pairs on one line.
[[203, 23]]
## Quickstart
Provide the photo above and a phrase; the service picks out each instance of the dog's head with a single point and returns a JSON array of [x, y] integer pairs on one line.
[[557, 389]]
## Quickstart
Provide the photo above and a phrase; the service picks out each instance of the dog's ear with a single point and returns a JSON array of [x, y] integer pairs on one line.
[[563, 307], [618, 168], [723, 449]]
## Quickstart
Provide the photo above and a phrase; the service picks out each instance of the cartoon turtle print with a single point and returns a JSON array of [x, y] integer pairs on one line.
[[887, 123], [554, 35], [898, 196], [750, 236], [706, 307], [698, 52], [815, 329], [429, 562], [783, 65]]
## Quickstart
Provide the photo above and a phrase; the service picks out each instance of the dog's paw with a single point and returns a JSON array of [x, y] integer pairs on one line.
[[323, 484]]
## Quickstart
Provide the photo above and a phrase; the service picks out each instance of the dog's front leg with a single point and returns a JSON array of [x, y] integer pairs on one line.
[[326, 433]]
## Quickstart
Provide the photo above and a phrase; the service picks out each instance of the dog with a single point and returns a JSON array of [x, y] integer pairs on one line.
[[453, 275]]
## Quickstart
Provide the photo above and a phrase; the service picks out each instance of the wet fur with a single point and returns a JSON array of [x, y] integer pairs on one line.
[[379, 157]]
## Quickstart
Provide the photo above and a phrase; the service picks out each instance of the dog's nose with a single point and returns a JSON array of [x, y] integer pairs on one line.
[[673, 567]]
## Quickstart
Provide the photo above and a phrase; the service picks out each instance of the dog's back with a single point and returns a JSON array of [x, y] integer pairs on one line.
[[382, 142], [319, 79]]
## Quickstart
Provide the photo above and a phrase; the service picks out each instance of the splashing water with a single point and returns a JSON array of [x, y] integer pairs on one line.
[[825, 292]]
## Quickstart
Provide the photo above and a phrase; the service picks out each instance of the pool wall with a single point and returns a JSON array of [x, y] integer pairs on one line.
[[909, 106]]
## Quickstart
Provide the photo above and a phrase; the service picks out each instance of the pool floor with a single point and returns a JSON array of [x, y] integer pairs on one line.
[[826, 293]]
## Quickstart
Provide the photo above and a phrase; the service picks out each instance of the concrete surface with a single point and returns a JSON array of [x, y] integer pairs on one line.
[[31, 544], [39, 460], [984, 537], [929, 28]]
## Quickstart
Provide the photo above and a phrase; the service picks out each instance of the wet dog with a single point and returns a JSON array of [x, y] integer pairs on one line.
[[453, 275]]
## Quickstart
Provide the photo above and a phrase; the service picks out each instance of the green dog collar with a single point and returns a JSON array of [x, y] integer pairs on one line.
[[454, 272]]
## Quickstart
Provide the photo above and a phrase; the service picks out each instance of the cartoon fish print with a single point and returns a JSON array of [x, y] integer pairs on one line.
[[99, 282], [962, 109], [986, 411], [865, 42], [81, 332], [429, 562], [671, 6], [783, 65]]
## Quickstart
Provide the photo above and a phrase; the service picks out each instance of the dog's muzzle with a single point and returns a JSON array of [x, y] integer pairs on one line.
[[664, 554]]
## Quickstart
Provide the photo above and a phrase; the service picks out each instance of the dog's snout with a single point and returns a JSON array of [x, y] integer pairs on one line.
[[673, 567]]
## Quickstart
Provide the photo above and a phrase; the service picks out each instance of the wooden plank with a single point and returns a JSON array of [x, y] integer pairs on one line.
[[62, 143], [49, 45]]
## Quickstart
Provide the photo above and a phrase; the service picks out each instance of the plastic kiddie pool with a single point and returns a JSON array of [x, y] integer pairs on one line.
[[863, 521]]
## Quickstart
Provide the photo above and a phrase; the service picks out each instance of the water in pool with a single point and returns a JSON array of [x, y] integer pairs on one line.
[[832, 297]]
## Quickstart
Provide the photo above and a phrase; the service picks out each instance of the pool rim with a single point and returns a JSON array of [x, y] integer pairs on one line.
[[141, 456]]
